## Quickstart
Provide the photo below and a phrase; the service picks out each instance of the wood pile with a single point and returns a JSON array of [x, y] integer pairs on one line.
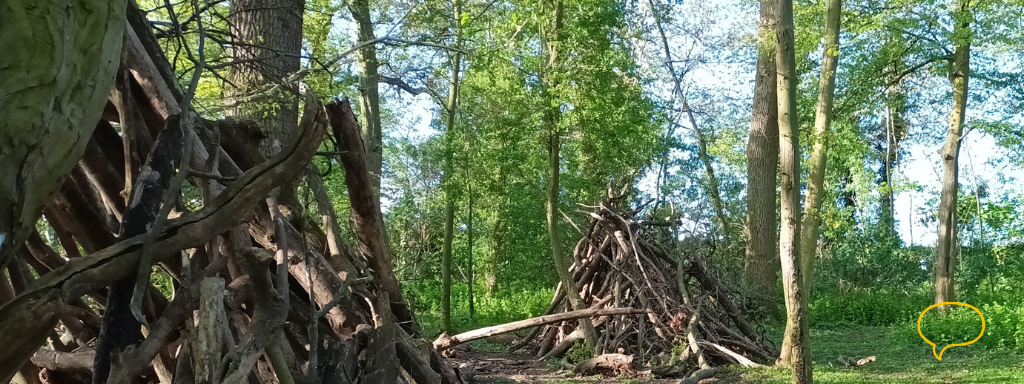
[[263, 291], [684, 307]]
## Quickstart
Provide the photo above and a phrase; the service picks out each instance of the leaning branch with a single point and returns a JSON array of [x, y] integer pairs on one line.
[[445, 342]]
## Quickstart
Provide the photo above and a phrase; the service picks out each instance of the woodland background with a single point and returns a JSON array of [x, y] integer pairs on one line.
[[492, 129]]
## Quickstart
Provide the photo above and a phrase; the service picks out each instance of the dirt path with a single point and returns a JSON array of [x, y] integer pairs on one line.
[[505, 368]]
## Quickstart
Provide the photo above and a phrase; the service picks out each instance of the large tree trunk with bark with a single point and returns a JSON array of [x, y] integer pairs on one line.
[[266, 48], [945, 250], [58, 66], [795, 352], [760, 266], [822, 126]]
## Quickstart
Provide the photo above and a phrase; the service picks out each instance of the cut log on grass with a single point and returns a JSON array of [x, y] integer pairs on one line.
[[702, 374], [847, 361], [445, 342], [609, 364]]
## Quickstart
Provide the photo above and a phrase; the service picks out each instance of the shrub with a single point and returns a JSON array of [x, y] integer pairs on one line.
[[867, 307]]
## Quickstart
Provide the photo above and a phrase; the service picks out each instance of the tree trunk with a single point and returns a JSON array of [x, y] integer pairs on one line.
[[449, 172], [57, 69], [795, 351], [761, 267], [446, 261], [267, 45], [369, 97], [469, 236], [945, 250], [895, 132], [373, 241], [550, 32], [822, 125]]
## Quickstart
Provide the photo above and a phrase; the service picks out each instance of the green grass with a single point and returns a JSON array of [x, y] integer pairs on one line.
[[903, 358]]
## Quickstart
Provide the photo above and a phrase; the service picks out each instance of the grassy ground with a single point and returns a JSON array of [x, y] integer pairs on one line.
[[903, 358]]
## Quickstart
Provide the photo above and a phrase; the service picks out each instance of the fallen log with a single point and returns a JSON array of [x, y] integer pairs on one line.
[[609, 363], [444, 341], [702, 374], [742, 360]]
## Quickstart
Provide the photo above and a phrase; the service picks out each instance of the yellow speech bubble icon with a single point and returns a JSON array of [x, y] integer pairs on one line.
[[939, 355]]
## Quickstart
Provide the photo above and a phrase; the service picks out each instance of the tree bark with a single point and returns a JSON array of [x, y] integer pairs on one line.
[[760, 266], [449, 171], [120, 328], [795, 352], [550, 32], [57, 68], [945, 250], [366, 213], [469, 240], [44, 301], [822, 126], [369, 96], [266, 48]]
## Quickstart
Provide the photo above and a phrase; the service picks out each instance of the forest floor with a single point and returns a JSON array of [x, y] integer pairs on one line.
[[902, 358]]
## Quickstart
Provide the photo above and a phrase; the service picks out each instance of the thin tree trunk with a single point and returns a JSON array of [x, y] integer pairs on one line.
[[945, 250], [268, 44], [550, 40], [51, 101], [895, 132], [369, 96], [446, 262], [795, 351], [822, 126], [469, 230], [449, 171], [702, 143], [760, 266]]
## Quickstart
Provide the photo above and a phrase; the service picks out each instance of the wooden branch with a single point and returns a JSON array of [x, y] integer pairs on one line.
[[445, 342], [126, 366], [381, 357], [401, 84], [80, 361], [208, 335], [45, 299], [366, 207], [123, 312], [735, 356]]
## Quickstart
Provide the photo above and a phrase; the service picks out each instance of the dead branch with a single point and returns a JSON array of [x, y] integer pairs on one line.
[[444, 342]]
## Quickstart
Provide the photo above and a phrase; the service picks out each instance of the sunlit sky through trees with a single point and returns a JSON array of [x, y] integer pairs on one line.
[[723, 71]]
